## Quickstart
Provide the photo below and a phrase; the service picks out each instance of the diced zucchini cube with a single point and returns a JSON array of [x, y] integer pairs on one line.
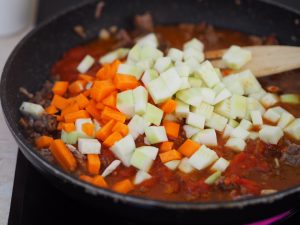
[[31, 109], [220, 165], [185, 84], [153, 114], [238, 106], [222, 95], [236, 144], [85, 64], [239, 132], [193, 64], [193, 53], [125, 103], [78, 126], [132, 70], [183, 69], [290, 98], [270, 134], [236, 57], [185, 166], [123, 149], [148, 76], [195, 82], [253, 135], [269, 100], [194, 44], [162, 64], [110, 57], [141, 161], [140, 177], [149, 151], [172, 165], [208, 74], [293, 129], [204, 109], [285, 119], [227, 131], [108, 170], [172, 80], [249, 82], [190, 130], [256, 118], [182, 109], [175, 54], [208, 95], [271, 115], [159, 90], [213, 178], [245, 124], [145, 64], [203, 158], [234, 84], [89, 146], [156, 134], [196, 120], [149, 39], [137, 126], [224, 109], [69, 138], [150, 53], [191, 96], [216, 122], [140, 97], [206, 137]]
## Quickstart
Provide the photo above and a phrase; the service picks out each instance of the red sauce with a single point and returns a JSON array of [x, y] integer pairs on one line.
[[249, 171]]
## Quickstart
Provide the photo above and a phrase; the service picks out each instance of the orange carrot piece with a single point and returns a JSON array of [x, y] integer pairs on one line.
[[68, 127], [99, 182], [93, 164], [100, 106], [59, 118], [172, 128], [51, 109], [166, 146], [104, 73], [85, 77], [71, 117], [169, 156], [110, 100], [82, 101], [86, 93], [114, 67], [43, 142], [63, 155], [88, 128], [123, 186], [60, 126], [111, 139], [60, 87], [121, 128], [105, 131], [86, 178], [59, 102], [109, 113], [168, 106], [77, 86], [102, 89], [91, 109], [125, 82], [188, 148], [70, 108]]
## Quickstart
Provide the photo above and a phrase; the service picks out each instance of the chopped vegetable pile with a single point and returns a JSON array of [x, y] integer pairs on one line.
[[177, 105]]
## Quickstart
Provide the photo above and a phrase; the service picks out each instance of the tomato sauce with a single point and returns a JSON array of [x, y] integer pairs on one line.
[[249, 171]]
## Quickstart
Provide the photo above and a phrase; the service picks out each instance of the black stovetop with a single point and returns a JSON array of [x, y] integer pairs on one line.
[[36, 202]]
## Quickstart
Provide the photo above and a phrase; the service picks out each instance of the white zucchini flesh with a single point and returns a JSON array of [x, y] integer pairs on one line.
[[208, 74], [110, 57], [256, 118], [269, 100], [89, 146], [132, 70], [220, 165], [149, 53], [141, 161], [140, 97], [153, 114], [206, 137], [258, 95], [224, 109], [204, 109], [272, 115], [148, 76], [249, 82], [86, 63], [78, 126], [196, 120], [162, 64], [171, 117], [149, 151], [293, 129], [234, 84], [111, 167], [239, 132], [175, 54], [203, 158], [245, 124], [194, 44], [125, 103], [254, 104], [185, 166], [236, 57], [216, 122], [184, 83], [270, 134], [182, 109], [159, 90], [191, 96], [137, 126], [236, 144], [238, 106], [156, 134], [31, 109], [195, 82], [290, 98], [253, 135], [149, 39], [208, 95], [222, 95], [193, 53], [190, 130], [123, 149], [145, 64], [233, 123], [140, 177], [69, 138], [213, 178], [172, 165], [285, 119], [193, 64], [227, 131], [172, 80], [183, 69]]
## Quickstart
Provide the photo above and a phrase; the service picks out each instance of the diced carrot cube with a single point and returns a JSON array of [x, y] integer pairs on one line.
[[169, 156], [189, 147], [43, 142]]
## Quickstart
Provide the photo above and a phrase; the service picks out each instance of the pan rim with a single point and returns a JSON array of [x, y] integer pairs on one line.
[[128, 199]]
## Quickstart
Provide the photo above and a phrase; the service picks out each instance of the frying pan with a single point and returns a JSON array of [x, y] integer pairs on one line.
[[30, 63]]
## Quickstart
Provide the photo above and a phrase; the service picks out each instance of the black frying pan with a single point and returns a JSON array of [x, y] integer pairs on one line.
[[30, 63]]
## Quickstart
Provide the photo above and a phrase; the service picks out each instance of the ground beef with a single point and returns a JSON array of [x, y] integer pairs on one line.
[[291, 156], [43, 97], [124, 39], [144, 23]]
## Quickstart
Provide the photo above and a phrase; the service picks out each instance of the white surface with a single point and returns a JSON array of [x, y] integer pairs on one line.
[[8, 146]]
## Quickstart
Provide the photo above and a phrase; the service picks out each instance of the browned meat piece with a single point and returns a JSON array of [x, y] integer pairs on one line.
[[99, 9], [124, 40], [25, 92], [46, 154], [44, 96], [291, 156], [144, 22]]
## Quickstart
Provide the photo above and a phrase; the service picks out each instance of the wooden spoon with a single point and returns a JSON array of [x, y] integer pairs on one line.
[[266, 60]]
